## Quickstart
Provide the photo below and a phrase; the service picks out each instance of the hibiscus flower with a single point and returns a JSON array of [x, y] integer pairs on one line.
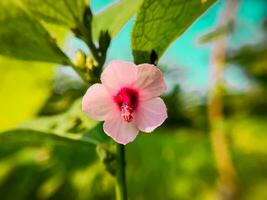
[[127, 100]]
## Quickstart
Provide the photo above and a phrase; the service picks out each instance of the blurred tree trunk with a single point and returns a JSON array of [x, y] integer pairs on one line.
[[226, 171]]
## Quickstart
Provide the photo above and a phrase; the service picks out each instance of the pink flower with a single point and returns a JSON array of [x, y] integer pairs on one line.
[[127, 100]]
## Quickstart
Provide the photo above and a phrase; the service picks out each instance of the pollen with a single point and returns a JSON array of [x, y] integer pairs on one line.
[[126, 113]]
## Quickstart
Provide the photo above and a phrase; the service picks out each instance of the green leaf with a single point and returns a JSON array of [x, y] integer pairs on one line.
[[30, 82], [113, 18], [96, 133], [160, 22], [63, 12], [23, 37], [36, 138], [39, 85], [72, 123]]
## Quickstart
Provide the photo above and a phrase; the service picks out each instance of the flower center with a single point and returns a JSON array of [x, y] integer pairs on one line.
[[126, 100]]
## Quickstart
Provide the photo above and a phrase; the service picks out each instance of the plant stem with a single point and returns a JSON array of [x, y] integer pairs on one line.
[[121, 191], [87, 37]]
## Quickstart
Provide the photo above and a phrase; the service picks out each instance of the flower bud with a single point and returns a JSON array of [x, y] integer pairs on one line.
[[90, 63], [80, 59]]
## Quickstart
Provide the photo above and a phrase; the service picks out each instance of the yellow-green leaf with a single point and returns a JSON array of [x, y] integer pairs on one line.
[[24, 88]]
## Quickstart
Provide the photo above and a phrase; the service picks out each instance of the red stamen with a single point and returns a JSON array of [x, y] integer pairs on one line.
[[127, 101]]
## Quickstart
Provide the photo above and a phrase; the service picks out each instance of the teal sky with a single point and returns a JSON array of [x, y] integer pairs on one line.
[[190, 60]]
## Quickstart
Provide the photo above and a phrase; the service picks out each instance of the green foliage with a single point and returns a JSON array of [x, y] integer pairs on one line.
[[185, 171], [73, 126], [70, 127], [61, 101], [72, 123], [37, 138], [54, 157], [253, 60], [182, 169], [177, 115], [47, 171], [25, 85], [63, 12], [160, 22], [114, 17], [22, 37]]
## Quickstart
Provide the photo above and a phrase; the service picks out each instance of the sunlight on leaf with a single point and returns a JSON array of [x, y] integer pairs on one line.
[[23, 93]]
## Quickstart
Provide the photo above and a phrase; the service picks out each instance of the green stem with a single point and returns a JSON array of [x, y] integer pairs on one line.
[[87, 36], [121, 191]]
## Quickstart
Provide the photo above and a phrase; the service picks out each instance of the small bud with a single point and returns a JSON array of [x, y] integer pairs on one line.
[[90, 63], [80, 59]]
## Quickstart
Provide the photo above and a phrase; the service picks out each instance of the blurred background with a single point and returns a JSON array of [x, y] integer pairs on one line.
[[175, 162]]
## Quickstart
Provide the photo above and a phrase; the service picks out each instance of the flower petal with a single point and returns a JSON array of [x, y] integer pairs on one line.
[[151, 114], [97, 102], [119, 74], [150, 81], [121, 131]]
